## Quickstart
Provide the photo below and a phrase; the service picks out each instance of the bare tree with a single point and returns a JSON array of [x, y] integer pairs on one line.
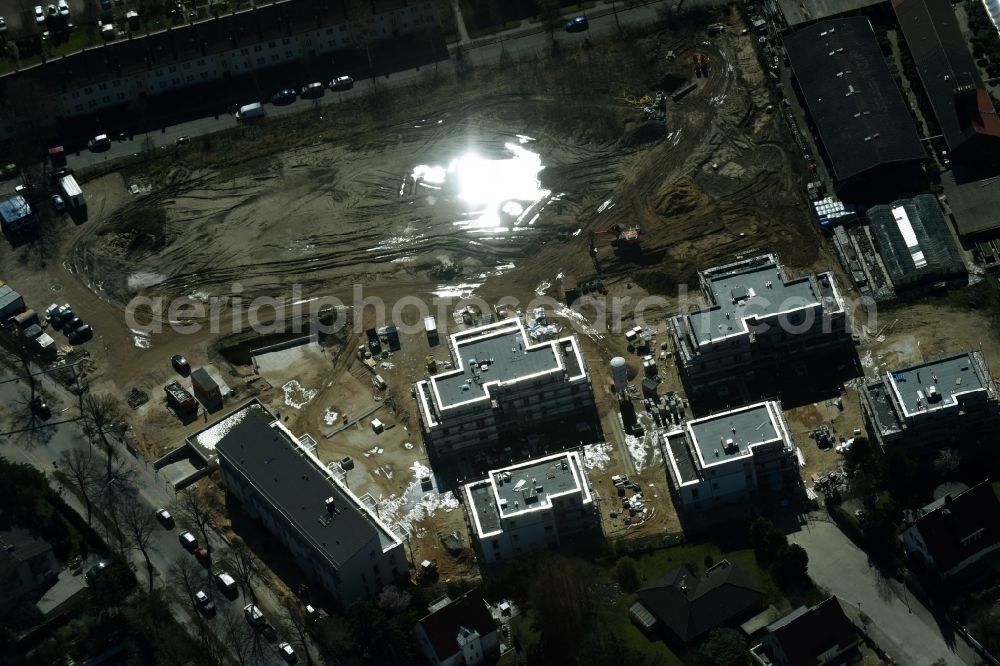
[[295, 620], [239, 637], [192, 505], [82, 467], [138, 524], [186, 578], [245, 568], [100, 413]]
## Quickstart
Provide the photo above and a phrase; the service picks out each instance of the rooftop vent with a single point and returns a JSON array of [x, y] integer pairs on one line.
[[330, 507]]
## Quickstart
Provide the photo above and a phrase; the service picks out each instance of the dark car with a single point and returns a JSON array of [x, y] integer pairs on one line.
[[80, 335], [313, 91], [188, 541], [201, 554], [205, 604], [342, 83], [577, 24], [40, 408], [96, 570], [71, 324], [165, 518], [181, 365], [284, 97]]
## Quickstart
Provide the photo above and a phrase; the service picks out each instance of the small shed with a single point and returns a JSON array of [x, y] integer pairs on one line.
[[179, 399], [641, 617], [205, 388], [377, 426], [16, 215]]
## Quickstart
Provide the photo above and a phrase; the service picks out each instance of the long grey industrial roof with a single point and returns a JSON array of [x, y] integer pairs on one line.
[[796, 11], [756, 292], [744, 426], [298, 488], [497, 357], [949, 375], [854, 102], [915, 242], [943, 61], [975, 204]]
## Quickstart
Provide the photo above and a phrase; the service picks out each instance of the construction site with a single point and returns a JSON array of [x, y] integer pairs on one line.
[[617, 175]]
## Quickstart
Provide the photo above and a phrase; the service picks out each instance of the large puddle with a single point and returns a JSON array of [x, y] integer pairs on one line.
[[494, 194]]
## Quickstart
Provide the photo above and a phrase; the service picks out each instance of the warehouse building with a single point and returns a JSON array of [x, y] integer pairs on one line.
[[727, 458], [950, 402], [503, 382], [757, 318], [857, 111], [950, 77], [916, 245], [531, 505], [334, 537]]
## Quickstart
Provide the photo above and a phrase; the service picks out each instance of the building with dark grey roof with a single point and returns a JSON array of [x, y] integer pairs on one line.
[[916, 245], [954, 532], [950, 77], [757, 317], [822, 634], [727, 457], [858, 112], [796, 12], [502, 381], [335, 538], [946, 402], [530, 505], [27, 564], [687, 605]]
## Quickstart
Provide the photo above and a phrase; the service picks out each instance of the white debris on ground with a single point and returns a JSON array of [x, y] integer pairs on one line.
[[637, 450], [597, 456], [141, 340], [296, 395], [330, 416], [386, 365], [374, 451], [579, 321], [868, 359], [407, 446], [542, 287], [414, 505]]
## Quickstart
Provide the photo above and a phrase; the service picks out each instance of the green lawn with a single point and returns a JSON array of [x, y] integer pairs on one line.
[[615, 619]]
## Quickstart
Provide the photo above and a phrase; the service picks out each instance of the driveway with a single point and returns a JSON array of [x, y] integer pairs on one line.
[[906, 630]]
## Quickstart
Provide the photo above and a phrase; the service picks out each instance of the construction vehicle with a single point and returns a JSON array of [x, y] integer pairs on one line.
[[432, 364], [626, 239], [700, 63]]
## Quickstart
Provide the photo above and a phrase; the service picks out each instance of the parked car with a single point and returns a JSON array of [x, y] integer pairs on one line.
[[99, 143], [165, 518], [57, 203], [577, 24], [313, 91], [202, 555], [3, 24], [39, 14], [71, 324], [227, 584], [287, 653], [52, 11], [284, 97], [342, 83], [183, 141], [254, 616], [80, 335], [40, 408], [96, 570], [181, 365], [205, 604], [63, 8], [188, 540]]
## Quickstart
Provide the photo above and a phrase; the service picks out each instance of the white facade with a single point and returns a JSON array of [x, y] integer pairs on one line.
[[514, 392], [505, 522], [726, 457]]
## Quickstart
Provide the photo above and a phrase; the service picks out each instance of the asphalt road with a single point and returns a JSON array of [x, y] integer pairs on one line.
[[43, 447], [494, 51], [917, 637]]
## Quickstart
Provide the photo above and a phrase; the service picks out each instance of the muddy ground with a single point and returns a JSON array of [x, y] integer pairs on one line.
[[364, 195]]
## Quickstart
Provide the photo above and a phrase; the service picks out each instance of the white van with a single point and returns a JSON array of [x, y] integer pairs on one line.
[[249, 112]]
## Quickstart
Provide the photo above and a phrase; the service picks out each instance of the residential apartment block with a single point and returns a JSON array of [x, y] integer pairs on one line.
[[335, 538], [240, 42], [502, 382], [534, 504], [757, 317], [727, 457], [946, 402]]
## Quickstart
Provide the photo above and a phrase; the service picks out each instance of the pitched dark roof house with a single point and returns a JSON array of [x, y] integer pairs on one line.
[[954, 532], [687, 605], [821, 635], [858, 112], [459, 632], [950, 77]]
